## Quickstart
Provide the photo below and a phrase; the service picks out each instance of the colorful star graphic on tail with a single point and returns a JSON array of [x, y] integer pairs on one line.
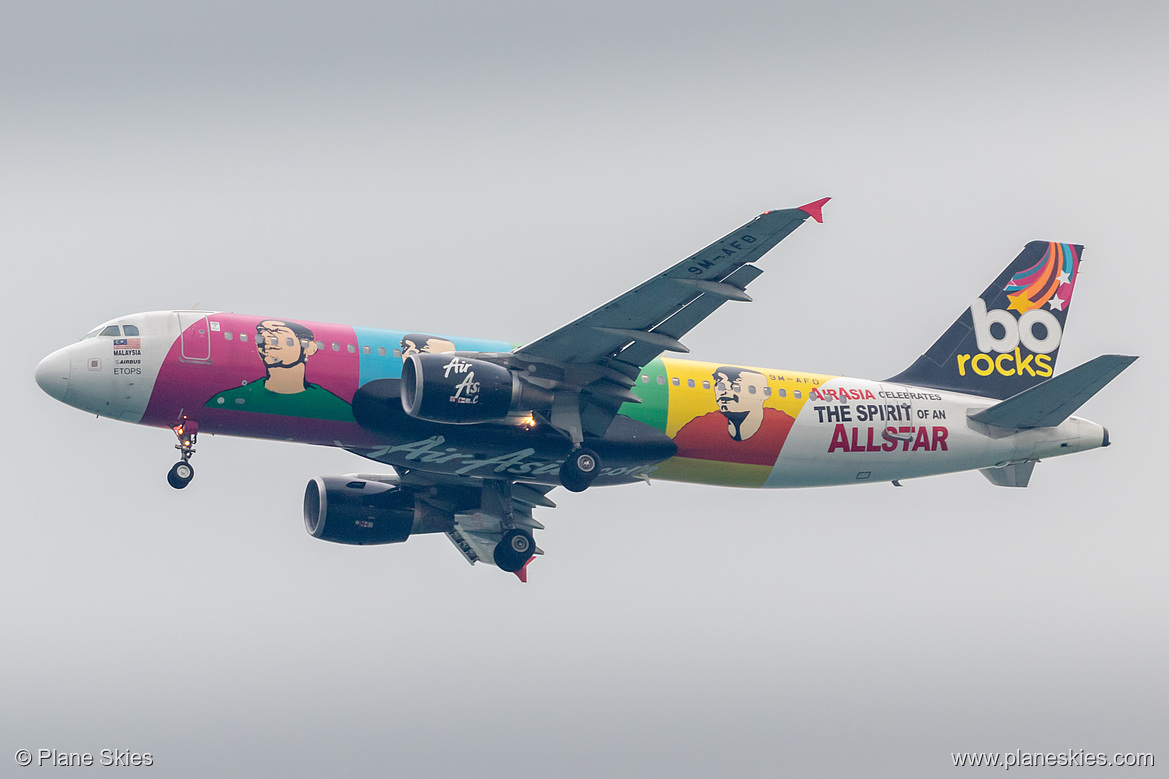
[[1034, 287]]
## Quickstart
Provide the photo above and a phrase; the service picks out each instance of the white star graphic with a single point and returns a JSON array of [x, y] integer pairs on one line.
[[1064, 278], [1056, 303]]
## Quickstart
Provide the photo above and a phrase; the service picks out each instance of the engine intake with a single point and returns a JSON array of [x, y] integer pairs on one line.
[[355, 511], [464, 391]]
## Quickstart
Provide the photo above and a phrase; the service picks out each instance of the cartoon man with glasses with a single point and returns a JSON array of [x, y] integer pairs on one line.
[[741, 430], [284, 348]]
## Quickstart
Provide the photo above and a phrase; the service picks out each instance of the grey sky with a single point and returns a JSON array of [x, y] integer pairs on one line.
[[496, 171]]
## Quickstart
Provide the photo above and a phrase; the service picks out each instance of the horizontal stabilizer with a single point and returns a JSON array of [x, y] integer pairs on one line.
[[1048, 404], [1013, 475]]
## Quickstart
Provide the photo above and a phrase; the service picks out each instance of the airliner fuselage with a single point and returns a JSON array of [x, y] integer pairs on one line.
[[817, 429]]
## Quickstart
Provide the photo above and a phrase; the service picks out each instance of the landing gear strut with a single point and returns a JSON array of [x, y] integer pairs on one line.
[[579, 469], [514, 550], [182, 472]]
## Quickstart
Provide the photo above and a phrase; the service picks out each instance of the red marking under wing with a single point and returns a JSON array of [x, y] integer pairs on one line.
[[522, 574]]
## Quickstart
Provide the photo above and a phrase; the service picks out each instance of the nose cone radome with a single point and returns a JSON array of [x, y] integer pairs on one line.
[[53, 374]]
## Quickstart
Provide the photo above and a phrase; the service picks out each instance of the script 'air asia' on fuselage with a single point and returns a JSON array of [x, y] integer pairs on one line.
[[473, 434]]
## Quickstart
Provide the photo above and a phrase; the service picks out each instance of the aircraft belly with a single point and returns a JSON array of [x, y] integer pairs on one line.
[[514, 450], [492, 455]]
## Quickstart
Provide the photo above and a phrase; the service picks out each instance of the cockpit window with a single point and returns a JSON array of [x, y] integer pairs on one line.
[[112, 330], [130, 329]]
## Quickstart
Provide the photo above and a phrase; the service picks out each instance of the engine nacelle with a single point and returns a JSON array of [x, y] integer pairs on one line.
[[346, 510], [464, 391]]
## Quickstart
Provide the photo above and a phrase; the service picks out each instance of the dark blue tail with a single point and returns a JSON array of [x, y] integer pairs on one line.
[[1009, 338]]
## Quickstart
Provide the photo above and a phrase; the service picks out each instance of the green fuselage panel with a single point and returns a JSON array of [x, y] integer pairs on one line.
[[654, 390]]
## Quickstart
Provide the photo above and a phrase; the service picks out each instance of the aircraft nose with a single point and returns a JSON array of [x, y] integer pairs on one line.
[[53, 374]]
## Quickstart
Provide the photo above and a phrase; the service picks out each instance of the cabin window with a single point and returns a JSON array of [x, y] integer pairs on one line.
[[782, 393], [112, 330], [130, 329], [706, 385], [227, 335], [290, 341], [767, 392], [661, 379], [352, 348], [381, 351], [751, 389], [645, 379], [365, 350], [675, 381], [690, 383], [796, 393], [336, 346]]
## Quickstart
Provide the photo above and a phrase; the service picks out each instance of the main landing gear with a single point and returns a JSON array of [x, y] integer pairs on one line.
[[579, 469], [514, 550], [182, 472]]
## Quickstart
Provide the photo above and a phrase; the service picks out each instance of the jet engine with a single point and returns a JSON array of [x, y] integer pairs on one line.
[[463, 391], [353, 510]]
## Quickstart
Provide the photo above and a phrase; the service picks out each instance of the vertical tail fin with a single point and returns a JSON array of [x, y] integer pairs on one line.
[[1008, 340]]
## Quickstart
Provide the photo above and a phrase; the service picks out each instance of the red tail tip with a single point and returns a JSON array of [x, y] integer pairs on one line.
[[815, 209]]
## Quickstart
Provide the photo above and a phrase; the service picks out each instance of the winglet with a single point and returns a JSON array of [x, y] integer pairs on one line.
[[814, 209], [522, 574]]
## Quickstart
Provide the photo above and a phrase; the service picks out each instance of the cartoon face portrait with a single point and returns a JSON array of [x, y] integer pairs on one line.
[[418, 343], [741, 429], [284, 349], [739, 394], [283, 345], [738, 390]]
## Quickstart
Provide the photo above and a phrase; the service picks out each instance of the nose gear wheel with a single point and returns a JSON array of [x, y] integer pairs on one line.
[[182, 472]]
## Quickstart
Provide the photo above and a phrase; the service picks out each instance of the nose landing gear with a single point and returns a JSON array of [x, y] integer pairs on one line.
[[182, 472]]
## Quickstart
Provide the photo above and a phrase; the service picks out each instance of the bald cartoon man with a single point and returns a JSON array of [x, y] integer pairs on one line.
[[742, 430], [284, 348]]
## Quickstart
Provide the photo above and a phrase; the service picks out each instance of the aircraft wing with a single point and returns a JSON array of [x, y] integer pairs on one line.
[[603, 352], [634, 328]]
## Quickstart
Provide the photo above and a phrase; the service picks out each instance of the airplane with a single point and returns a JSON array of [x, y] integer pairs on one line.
[[478, 432]]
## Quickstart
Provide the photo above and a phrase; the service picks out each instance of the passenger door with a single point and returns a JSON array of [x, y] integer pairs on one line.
[[195, 336]]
